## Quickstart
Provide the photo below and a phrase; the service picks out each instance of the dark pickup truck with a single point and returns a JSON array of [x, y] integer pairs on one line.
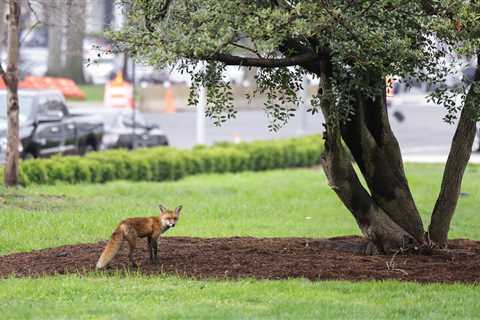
[[47, 127]]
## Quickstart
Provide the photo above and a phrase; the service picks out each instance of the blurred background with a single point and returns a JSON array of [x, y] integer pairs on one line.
[[65, 39]]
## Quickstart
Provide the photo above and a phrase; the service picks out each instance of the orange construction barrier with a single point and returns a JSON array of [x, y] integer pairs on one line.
[[118, 93], [169, 101], [66, 86]]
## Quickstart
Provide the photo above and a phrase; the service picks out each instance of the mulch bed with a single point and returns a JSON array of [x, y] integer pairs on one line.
[[261, 258]]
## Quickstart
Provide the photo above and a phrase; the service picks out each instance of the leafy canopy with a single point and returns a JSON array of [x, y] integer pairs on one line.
[[364, 40]]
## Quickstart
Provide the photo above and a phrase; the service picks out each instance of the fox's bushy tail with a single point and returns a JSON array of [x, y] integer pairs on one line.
[[111, 249]]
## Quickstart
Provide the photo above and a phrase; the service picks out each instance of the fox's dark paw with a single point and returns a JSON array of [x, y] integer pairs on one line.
[[371, 249]]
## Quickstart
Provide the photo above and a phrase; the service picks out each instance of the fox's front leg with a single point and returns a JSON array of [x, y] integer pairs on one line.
[[154, 247], [155, 250], [150, 248]]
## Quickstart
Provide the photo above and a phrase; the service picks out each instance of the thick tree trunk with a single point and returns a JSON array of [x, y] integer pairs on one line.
[[55, 35], [11, 80], [385, 233], [458, 157], [75, 34], [376, 151], [375, 224]]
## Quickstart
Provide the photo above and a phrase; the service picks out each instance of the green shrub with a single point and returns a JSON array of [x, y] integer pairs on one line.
[[23, 178], [193, 164], [116, 158], [35, 170], [57, 171], [103, 171], [82, 171], [239, 161], [165, 163]]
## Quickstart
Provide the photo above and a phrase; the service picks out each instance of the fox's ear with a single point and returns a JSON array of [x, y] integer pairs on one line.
[[178, 209], [162, 208]]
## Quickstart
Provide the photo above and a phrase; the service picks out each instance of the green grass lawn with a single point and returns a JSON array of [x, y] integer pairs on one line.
[[267, 204], [137, 297], [93, 92]]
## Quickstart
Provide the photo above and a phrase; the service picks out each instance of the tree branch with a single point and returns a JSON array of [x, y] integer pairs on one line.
[[263, 62], [297, 47], [429, 8], [255, 52]]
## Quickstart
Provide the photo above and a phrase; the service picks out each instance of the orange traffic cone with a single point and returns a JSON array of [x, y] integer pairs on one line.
[[169, 101], [118, 81], [236, 138]]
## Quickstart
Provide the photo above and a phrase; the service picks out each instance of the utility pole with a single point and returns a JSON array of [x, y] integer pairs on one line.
[[200, 123], [134, 109], [302, 114]]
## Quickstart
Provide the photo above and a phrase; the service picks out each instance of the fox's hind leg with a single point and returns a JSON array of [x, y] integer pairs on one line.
[[132, 242]]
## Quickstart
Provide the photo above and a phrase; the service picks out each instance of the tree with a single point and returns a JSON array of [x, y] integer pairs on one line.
[[75, 34], [3, 7], [463, 34], [10, 77], [351, 46], [55, 17]]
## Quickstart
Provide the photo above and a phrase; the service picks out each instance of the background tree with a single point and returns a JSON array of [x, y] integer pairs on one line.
[[75, 11], [3, 10], [74, 60], [55, 16], [10, 77]]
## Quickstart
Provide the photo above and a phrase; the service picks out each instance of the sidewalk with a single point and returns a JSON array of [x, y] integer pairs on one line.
[[435, 158]]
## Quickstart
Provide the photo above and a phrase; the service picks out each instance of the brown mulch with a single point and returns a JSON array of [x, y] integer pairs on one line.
[[261, 258]]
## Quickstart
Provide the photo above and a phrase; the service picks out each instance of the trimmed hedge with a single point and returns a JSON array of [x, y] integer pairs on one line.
[[166, 163]]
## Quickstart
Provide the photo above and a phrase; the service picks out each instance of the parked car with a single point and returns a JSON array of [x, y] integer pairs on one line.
[[47, 127], [121, 131]]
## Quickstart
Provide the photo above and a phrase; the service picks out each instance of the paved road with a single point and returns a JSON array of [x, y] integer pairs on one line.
[[422, 133], [248, 126]]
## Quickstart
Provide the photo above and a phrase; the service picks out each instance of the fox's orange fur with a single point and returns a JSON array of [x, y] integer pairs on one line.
[[133, 228]]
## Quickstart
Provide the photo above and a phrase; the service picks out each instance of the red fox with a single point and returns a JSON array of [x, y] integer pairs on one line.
[[131, 228]]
